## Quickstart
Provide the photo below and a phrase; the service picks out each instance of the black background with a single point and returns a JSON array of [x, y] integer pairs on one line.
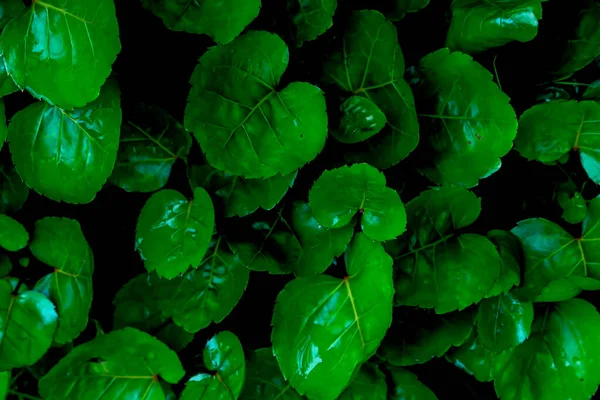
[[154, 67]]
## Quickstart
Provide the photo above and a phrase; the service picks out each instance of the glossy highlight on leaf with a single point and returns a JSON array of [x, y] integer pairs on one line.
[[361, 119]]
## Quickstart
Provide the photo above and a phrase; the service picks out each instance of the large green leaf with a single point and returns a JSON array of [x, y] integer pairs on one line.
[[408, 387], [241, 196], [511, 257], [13, 192], [60, 244], [324, 327], [468, 129], [244, 124], [311, 17], [173, 233], [478, 25], [222, 20], [503, 322], [408, 343], [151, 142], [372, 66], [122, 364], [13, 236], [62, 51], [341, 193], [369, 384], [264, 380], [436, 266], [549, 131], [224, 357], [560, 360], [27, 325], [67, 155], [473, 358]]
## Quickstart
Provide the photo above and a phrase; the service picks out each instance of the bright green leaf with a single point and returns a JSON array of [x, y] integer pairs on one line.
[[264, 380], [311, 17], [7, 85], [173, 233], [341, 321], [408, 387], [5, 378], [509, 248], [13, 192], [244, 124], [13, 236], [372, 66], [62, 52], [67, 155], [59, 243], [341, 193], [473, 358], [361, 119], [369, 384]]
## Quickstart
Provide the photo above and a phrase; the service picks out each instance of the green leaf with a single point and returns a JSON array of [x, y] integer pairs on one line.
[[548, 131], [244, 124], [437, 267], [503, 322], [67, 155], [13, 236], [28, 323], [473, 358], [369, 384], [13, 192], [5, 266], [3, 127], [478, 25], [372, 66], [324, 327], [311, 17], [573, 204], [173, 233], [122, 364], [408, 343], [560, 360], [60, 52], [224, 356], [585, 45], [361, 119], [264, 380], [407, 6], [509, 248], [7, 85], [468, 129], [59, 243], [8, 10], [222, 20], [151, 141], [341, 193], [408, 387], [592, 92], [4, 384], [241, 196]]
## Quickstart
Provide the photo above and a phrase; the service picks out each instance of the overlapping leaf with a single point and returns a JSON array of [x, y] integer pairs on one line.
[[473, 358], [264, 380], [369, 383], [311, 17], [408, 386]]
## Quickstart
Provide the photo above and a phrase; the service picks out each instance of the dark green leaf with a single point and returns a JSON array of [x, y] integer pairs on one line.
[[473, 358], [573, 204], [27, 325], [324, 327], [5, 267], [311, 17], [591, 93], [13, 236], [264, 380], [511, 257], [8, 10], [437, 267], [173, 233], [13, 192], [62, 52], [121, 364], [407, 6], [361, 119], [560, 360], [222, 20], [408, 387], [369, 384], [372, 66], [468, 129], [59, 243], [3, 127], [241, 196], [341, 193], [151, 141], [224, 357], [244, 124], [67, 155]]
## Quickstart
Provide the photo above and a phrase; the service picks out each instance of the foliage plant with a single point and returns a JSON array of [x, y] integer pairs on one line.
[[300, 199]]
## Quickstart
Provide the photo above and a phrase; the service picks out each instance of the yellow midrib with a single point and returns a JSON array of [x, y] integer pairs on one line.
[[356, 316]]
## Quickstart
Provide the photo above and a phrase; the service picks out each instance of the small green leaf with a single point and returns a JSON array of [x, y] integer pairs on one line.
[[244, 124], [27, 325], [13, 236], [511, 257], [241, 196], [311, 17], [151, 141], [264, 380], [341, 193], [361, 119], [473, 358], [122, 364], [573, 204], [173, 233], [470, 129], [224, 356], [478, 25], [222, 20], [369, 384], [67, 155], [592, 92], [59, 243], [341, 321], [560, 360], [408, 387], [13, 192], [372, 66], [62, 53], [5, 266]]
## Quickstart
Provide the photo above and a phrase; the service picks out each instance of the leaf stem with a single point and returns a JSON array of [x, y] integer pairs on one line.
[[23, 395], [571, 83]]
